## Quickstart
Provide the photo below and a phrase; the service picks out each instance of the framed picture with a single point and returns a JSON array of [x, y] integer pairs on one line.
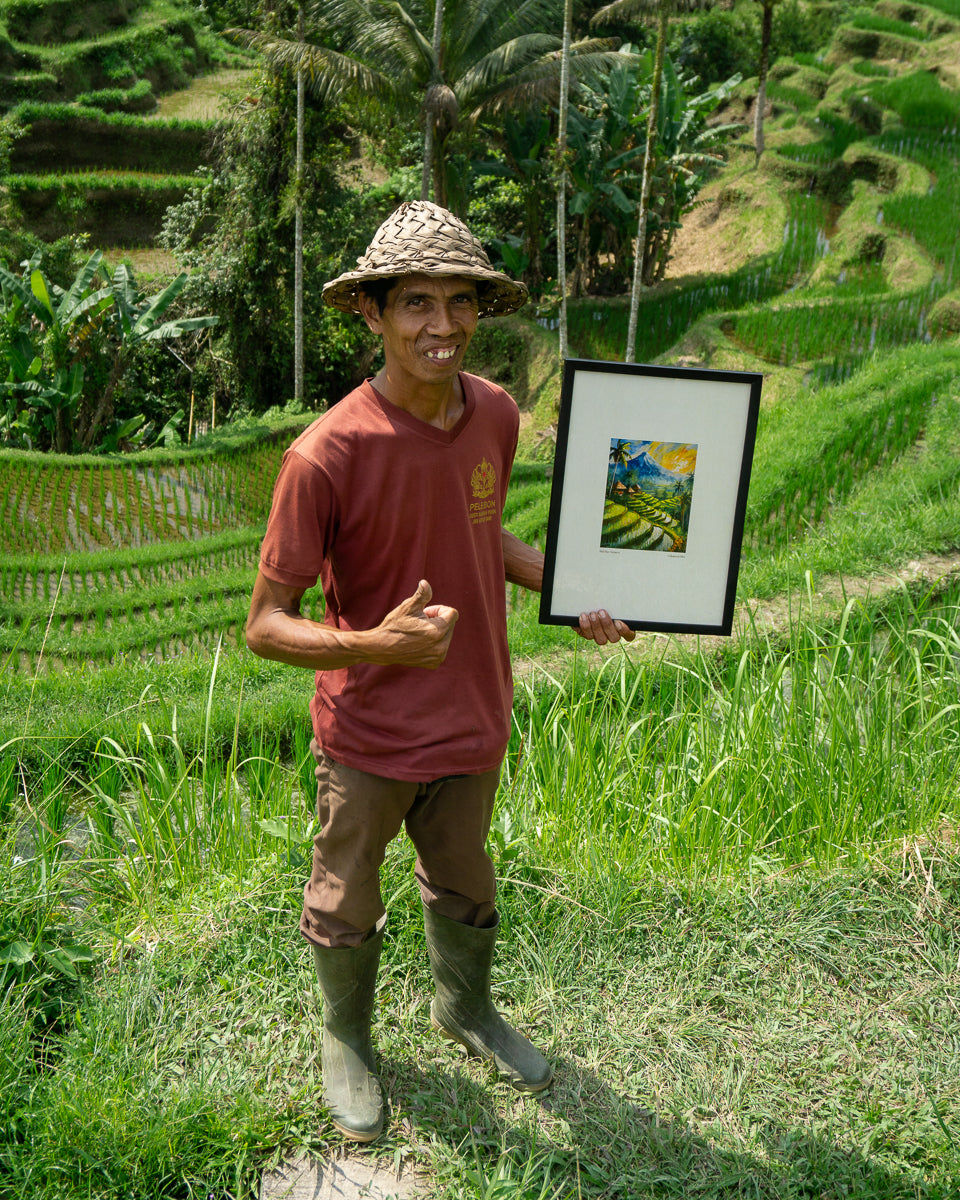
[[649, 494]]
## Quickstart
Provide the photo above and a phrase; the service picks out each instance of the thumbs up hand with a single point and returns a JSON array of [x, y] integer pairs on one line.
[[416, 633]]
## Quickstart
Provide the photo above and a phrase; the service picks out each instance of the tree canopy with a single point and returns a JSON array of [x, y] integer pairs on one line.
[[489, 58]]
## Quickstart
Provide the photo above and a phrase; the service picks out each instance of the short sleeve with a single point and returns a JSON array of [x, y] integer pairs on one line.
[[302, 523]]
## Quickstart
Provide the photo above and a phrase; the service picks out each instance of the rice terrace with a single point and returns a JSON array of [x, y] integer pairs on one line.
[[728, 868]]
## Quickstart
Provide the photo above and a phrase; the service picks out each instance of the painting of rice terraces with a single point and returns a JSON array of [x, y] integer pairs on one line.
[[649, 495]]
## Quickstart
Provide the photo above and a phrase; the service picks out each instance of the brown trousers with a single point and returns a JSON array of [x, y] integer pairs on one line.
[[446, 819]]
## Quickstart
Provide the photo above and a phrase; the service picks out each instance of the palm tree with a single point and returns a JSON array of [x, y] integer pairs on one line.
[[664, 10], [435, 101], [686, 146], [450, 65], [619, 457]]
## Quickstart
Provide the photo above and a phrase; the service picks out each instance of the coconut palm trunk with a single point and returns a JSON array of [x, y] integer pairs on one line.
[[562, 176], [429, 117], [664, 9], [646, 185], [298, 233], [766, 36]]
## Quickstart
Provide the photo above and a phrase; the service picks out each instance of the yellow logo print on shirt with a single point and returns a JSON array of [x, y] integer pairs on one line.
[[483, 481]]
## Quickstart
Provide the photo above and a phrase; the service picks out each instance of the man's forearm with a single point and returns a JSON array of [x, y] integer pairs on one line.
[[522, 564], [300, 642], [414, 634]]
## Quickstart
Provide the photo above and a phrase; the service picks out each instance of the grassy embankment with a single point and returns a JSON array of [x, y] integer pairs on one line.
[[729, 877]]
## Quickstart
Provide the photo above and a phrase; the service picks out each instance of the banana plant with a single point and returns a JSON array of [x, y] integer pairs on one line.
[[133, 319], [524, 142], [606, 153], [64, 351], [48, 335], [686, 148]]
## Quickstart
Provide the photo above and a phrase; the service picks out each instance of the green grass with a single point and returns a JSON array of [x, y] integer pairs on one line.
[[787, 1031]]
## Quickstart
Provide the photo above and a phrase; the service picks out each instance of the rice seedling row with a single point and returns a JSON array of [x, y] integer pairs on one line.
[[812, 453], [78, 606], [55, 506], [844, 330], [181, 625], [666, 317], [80, 181], [931, 219], [882, 24], [44, 578], [837, 133]]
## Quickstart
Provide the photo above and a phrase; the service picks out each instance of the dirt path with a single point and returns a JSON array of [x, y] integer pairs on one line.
[[769, 617]]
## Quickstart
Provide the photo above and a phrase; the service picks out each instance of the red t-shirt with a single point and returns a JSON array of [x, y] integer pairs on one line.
[[371, 500]]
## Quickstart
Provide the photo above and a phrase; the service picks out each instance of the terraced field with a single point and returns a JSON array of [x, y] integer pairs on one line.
[[153, 555], [150, 557], [79, 79], [637, 524]]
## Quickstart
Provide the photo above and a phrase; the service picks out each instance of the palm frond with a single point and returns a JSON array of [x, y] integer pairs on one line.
[[504, 62], [394, 40], [537, 81], [329, 74], [627, 10], [471, 28]]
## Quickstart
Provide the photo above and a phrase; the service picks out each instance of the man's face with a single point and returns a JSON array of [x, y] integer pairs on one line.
[[426, 326]]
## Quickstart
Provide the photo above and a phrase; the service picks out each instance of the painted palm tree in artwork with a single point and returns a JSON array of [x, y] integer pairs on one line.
[[663, 10], [451, 65], [619, 457]]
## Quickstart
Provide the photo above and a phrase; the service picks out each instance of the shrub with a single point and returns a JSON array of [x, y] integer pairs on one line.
[[944, 318], [718, 44], [799, 29]]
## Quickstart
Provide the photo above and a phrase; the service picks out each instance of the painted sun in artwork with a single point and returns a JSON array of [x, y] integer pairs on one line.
[[675, 456]]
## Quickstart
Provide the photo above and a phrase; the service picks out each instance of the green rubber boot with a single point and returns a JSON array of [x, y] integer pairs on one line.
[[461, 957], [351, 1088]]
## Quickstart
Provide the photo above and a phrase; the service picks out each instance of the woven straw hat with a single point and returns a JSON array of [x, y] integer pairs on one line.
[[423, 238]]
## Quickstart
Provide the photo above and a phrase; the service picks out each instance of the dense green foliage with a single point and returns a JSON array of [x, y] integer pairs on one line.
[[58, 48], [65, 352], [235, 232]]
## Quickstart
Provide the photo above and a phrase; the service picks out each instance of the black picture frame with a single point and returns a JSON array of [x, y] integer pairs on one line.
[[649, 495]]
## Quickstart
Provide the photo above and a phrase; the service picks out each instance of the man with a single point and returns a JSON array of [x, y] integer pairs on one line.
[[393, 499]]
